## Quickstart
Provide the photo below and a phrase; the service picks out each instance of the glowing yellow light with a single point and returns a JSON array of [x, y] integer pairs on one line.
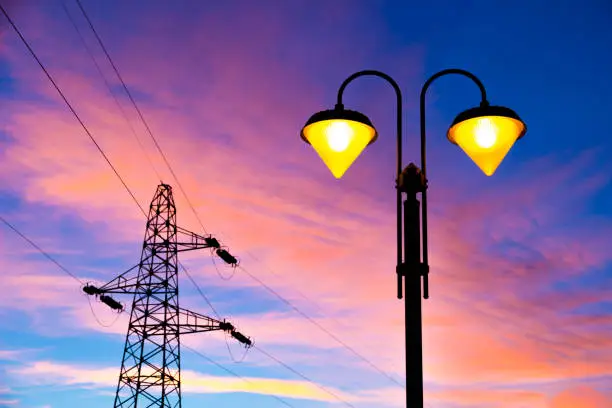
[[486, 140], [485, 133], [338, 142], [339, 135]]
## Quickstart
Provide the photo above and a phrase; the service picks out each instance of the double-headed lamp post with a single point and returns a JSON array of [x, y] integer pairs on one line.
[[485, 133]]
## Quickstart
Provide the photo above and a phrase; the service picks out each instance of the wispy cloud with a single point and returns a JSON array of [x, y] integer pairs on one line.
[[513, 263], [53, 373]]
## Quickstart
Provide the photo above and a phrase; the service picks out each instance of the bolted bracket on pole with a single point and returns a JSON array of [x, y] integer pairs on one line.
[[412, 180]]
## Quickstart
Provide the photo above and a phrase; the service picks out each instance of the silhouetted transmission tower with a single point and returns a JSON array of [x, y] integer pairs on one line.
[[151, 369]]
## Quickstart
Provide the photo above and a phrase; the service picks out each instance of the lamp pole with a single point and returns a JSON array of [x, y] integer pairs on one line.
[[485, 133], [412, 260]]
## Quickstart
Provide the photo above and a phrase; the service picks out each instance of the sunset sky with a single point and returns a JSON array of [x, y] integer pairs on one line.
[[520, 308]]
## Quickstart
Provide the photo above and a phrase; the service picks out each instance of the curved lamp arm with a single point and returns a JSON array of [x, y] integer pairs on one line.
[[484, 101], [398, 94]]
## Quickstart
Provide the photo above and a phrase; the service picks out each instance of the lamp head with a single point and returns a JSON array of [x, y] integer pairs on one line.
[[486, 134], [338, 136]]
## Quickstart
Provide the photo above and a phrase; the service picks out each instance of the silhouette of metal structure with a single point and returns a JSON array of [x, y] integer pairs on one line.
[[150, 373]]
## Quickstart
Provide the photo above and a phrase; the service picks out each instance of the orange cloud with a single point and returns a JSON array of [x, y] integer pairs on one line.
[[583, 397], [52, 373], [229, 127]]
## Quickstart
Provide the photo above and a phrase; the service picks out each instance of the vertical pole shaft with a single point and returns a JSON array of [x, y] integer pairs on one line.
[[412, 302]]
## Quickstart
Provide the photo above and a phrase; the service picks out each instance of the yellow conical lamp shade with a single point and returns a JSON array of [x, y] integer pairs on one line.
[[486, 134], [338, 136]]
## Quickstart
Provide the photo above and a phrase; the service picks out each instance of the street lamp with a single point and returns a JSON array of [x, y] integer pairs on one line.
[[485, 133]]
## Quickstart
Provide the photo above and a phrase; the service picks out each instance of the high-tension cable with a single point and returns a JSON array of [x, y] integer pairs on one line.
[[342, 343], [110, 90], [147, 127], [142, 118], [115, 170], [39, 249], [333, 394], [76, 115], [317, 324], [65, 270], [199, 353]]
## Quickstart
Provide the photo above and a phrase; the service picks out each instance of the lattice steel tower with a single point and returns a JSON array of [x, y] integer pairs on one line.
[[150, 373]]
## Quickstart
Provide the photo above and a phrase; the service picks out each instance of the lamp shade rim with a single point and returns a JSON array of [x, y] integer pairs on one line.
[[487, 110], [339, 114]]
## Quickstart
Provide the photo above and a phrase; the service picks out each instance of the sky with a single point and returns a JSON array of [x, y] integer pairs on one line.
[[519, 313]]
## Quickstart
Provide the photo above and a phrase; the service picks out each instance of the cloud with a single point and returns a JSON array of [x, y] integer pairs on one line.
[[6, 394], [583, 397], [51, 373], [489, 398], [227, 117]]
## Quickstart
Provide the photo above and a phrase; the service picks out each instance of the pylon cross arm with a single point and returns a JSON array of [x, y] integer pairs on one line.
[[190, 241], [124, 283], [192, 322]]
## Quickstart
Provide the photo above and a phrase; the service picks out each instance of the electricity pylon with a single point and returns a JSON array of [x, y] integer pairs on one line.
[[150, 373]]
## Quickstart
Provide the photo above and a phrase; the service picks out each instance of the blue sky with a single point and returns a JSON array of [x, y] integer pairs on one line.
[[519, 314]]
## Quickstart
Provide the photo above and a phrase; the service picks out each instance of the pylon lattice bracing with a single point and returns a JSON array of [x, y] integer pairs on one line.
[[150, 373], [153, 333]]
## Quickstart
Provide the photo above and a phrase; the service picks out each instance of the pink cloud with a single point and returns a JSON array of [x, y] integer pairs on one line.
[[583, 396], [254, 185], [87, 377], [490, 398]]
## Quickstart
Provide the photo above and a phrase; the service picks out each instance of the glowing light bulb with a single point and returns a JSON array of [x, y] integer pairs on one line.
[[339, 135], [486, 133]]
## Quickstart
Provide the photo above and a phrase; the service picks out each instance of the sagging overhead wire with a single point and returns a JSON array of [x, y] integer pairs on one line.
[[231, 353], [333, 394], [101, 151], [147, 127], [219, 272], [217, 315], [109, 301], [65, 270], [93, 312], [142, 118], [200, 291], [298, 292], [39, 249], [76, 115], [133, 130], [51, 259], [110, 90], [317, 324], [279, 399], [220, 253]]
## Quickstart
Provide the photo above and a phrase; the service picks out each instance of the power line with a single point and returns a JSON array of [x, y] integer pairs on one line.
[[142, 210], [94, 141], [128, 122], [297, 291], [179, 184], [39, 249], [234, 374], [71, 108], [101, 43], [288, 367], [303, 376], [159, 149], [110, 90], [96, 316], [131, 127], [317, 324], [90, 136], [200, 290], [63, 268]]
